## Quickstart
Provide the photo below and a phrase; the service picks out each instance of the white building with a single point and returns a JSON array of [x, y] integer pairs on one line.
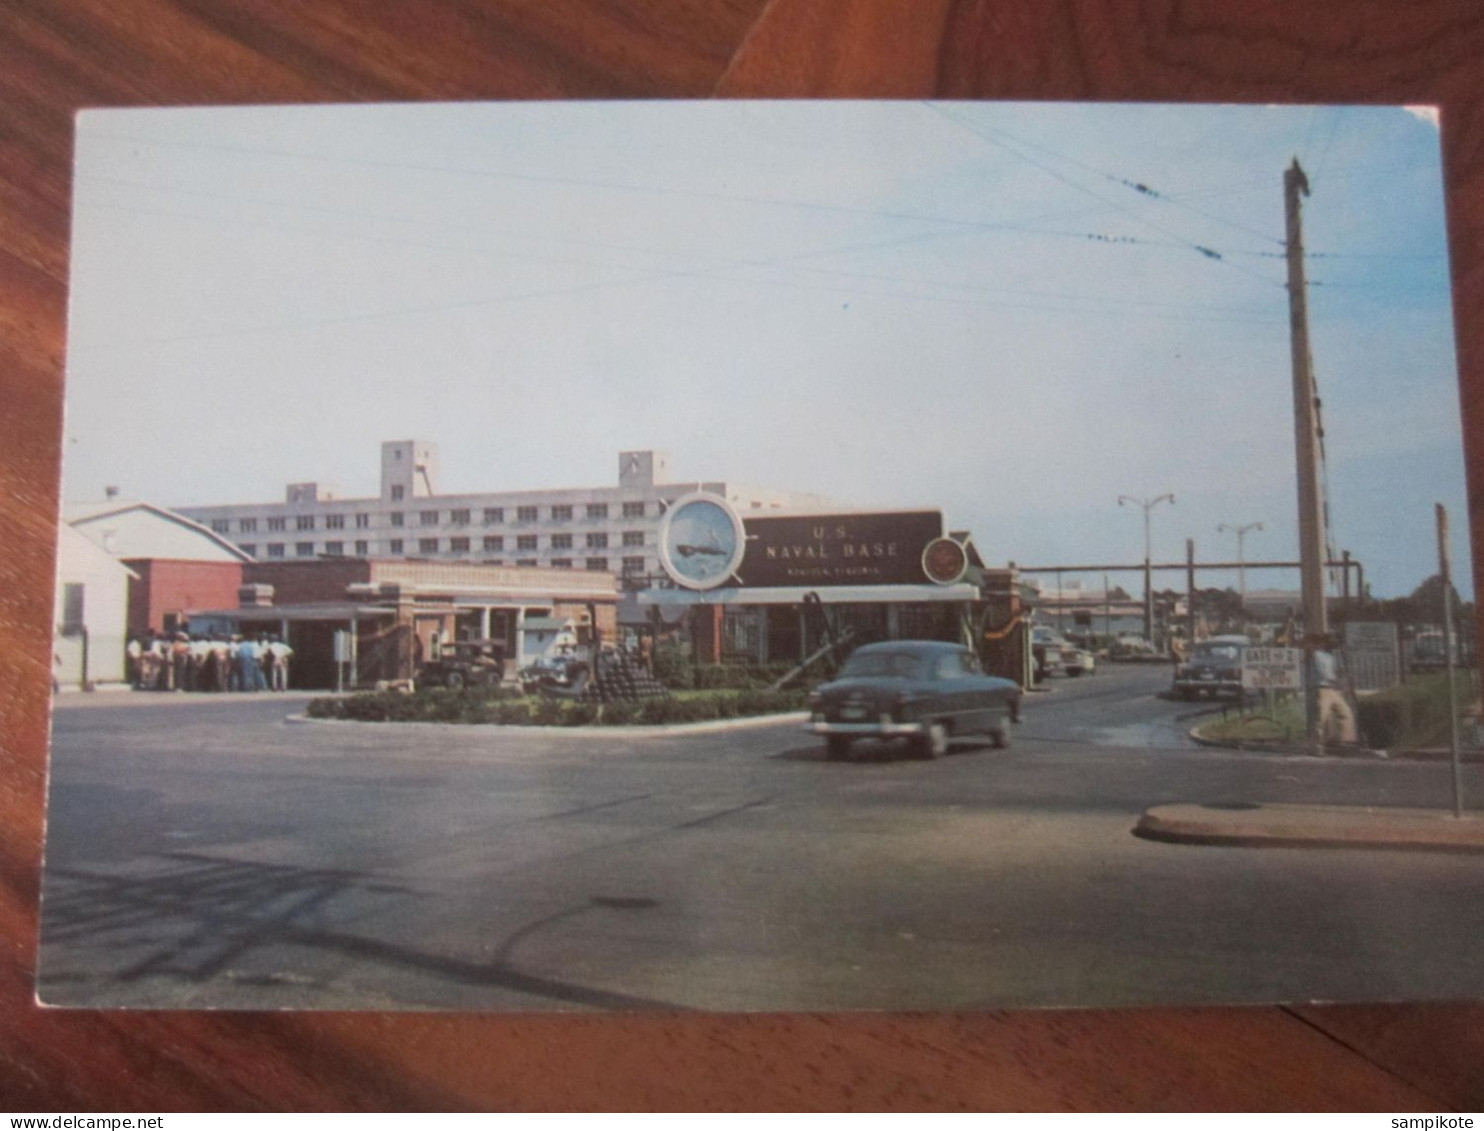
[[92, 605], [132, 531], [611, 528]]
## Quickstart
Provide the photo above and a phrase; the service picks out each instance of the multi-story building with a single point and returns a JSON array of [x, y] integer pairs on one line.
[[610, 529]]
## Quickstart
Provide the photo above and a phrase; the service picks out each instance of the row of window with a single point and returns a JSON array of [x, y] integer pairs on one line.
[[495, 543], [459, 516], [631, 565]]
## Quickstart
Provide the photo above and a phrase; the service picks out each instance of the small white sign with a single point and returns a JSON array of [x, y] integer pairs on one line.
[[1272, 669]]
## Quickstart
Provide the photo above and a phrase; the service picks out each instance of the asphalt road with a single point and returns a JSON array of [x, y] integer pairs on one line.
[[204, 852]]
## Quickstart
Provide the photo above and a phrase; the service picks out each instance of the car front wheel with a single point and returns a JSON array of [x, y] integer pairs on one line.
[[934, 741]]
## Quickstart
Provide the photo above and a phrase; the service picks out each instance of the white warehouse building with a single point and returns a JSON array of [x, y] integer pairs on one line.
[[612, 529]]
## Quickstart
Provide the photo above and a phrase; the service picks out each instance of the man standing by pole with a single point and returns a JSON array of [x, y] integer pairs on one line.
[[1306, 447]]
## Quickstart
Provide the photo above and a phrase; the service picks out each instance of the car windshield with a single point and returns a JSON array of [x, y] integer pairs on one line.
[[1217, 652], [867, 664]]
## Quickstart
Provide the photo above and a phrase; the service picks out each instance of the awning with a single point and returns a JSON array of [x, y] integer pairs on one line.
[[829, 595]]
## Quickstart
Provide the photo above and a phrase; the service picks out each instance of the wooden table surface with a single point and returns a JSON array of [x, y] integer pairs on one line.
[[57, 56]]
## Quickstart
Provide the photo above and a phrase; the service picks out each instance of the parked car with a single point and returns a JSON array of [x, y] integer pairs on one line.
[[1213, 668], [1077, 660], [466, 663], [1046, 652], [925, 691], [1130, 647]]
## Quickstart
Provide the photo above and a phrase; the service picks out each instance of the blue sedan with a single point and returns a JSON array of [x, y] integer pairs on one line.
[[923, 690]]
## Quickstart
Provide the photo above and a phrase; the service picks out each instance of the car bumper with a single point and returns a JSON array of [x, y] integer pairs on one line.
[[878, 728], [1225, 687]]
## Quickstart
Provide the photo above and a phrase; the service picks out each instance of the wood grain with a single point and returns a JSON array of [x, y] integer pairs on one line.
[[58, 57]]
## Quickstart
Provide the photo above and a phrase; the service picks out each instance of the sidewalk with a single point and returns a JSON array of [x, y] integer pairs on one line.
[[1313, 826]]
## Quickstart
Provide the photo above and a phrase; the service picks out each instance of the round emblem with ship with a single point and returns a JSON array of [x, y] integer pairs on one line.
[[701, 541], [944, 561]]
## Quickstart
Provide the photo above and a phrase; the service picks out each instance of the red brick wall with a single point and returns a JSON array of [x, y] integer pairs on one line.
[[169, 586]]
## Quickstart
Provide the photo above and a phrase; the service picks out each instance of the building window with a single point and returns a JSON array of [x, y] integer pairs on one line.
[[248, 548], [334, 522], [304, 549], [597, 564], [494, 561], [562, 513], [428, 518], [279, 523], [248, 526], [363, 549], [525, 542], [395, 545], [633, 566], [525, 561], [633, 510], [335, 549], [458, 545], [459, 517], [493, 515], [597, 510], [398, 491], [633, 537], [304, 522], [597, 541], [74, 594], [397, 518], [363, 521], [275, 549], [561, 563], [561, 541], [494, 542], [525, 514], [427, 545], [220, 526]]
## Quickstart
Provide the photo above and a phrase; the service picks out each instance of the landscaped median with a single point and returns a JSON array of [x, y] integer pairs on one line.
[[506, 708], [1411, 716]]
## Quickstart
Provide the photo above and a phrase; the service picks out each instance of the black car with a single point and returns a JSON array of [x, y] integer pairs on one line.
[[922, 690], [1214, 668]]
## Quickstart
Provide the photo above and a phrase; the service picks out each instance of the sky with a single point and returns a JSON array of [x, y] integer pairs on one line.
[[1012, 312]]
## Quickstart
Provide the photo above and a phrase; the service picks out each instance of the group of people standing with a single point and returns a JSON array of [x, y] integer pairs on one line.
[[181, 662]]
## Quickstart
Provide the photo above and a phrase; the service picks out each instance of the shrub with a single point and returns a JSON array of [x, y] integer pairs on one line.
[[620, 713]]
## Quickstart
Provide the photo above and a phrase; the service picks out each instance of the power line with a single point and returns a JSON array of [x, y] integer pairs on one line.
[[1207, 252]]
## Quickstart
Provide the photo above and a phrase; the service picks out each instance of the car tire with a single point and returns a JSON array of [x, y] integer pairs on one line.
[[836, 746], [934, 741], [1000, 737], [454, 681]]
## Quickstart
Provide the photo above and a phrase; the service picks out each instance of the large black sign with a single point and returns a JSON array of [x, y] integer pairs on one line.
[[837, 549]]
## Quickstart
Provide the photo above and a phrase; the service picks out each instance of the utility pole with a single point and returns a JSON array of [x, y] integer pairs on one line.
[[1148, 505], [1306, 446], [1445, 575], [1189, 595], [1241, 533]]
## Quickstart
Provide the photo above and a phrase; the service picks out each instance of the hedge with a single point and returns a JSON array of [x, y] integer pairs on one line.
[[473, 706], [1411, 714]]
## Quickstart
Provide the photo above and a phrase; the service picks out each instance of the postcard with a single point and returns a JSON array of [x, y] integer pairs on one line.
[[757, 556]]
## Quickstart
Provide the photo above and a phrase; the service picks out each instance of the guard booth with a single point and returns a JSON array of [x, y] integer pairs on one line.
[[809, 588]]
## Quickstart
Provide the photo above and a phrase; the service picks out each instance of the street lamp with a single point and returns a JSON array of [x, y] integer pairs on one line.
[[1148, 505], [1241, 533]]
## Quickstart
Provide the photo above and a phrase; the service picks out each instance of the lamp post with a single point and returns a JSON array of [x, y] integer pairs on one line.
[[1148, 505], [1241, 533]]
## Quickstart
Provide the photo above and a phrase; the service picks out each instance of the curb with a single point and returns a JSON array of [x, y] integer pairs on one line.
[[1335, 750], [1312, 826], [706, 727]]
